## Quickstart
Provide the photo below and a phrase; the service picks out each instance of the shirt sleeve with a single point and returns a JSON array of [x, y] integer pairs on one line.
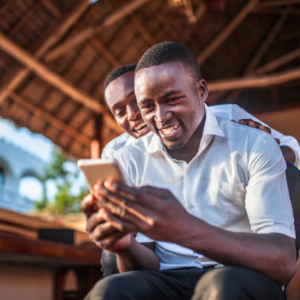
[[238, 113], [108, 153], [141, 238], [267, 202]]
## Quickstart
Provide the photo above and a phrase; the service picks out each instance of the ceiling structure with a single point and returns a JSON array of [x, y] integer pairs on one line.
[[55, 54]]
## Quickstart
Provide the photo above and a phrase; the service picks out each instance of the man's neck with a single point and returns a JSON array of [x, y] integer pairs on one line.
[[190, 149]]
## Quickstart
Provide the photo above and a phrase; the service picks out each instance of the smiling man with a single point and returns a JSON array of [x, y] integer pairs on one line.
[[208, 196], [121, 100]]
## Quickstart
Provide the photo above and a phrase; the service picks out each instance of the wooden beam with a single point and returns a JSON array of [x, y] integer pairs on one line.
[[275, 11], [55, 80], [107, 54], [52, 120], [278, 62], [189, 12], [142, 30], [266, 43], [261, 51], [93, 30], [278, 3], [254, 82], [52, 8], [236, 21], [68, 22]]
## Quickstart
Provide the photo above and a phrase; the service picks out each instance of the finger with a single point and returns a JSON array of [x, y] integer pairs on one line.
[[277, 140], [233, 121], [88, 205], [253, 124], [110, 240], [103, 202], [120, 225], [265, 128], [243, 121], [101, 231], [94, 220]]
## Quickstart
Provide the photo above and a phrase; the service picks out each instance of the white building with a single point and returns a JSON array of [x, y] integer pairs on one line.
[[16, 164]]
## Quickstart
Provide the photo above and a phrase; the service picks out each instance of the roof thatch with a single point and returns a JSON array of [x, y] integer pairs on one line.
[[55, 54]]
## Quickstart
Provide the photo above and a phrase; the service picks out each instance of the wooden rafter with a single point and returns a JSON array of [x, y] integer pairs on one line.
[[142, 30], [261, 51], [68, 22], [278, 62], [55, 80], [275, 11], [254, 82], [49, 118], [103, 50], [95, 29], [52, 8], [278, 3], [236, 21]]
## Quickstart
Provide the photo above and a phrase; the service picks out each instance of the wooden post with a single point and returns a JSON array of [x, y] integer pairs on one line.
[[96, 144]]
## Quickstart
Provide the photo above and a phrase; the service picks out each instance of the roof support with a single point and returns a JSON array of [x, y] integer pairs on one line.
[[278, 3], [278, 62], [261, 51], [49, 118], [51, 7], [254, 82], [93, 30], [55, 80], [53, 38], [107, 54], [236, 21]]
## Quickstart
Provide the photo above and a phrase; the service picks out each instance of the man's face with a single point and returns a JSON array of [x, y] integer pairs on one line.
[[171, 102], [121, 100]]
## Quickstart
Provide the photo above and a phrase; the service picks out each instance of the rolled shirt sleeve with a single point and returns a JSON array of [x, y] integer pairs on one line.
[[267, 200]]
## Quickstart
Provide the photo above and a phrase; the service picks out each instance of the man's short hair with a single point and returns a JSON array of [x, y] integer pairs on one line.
[[170, 52], [117, 72]]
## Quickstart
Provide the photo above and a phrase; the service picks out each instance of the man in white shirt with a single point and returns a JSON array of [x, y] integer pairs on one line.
[[121, 100], [216, 194]]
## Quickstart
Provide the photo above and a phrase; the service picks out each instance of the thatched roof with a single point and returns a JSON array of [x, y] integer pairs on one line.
[[55, 54]]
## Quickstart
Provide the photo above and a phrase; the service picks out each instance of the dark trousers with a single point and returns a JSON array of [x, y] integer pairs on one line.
[[226, 283]]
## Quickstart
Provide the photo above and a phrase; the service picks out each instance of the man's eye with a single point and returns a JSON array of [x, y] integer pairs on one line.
[[173, 99], [120, 112], [147, 106]]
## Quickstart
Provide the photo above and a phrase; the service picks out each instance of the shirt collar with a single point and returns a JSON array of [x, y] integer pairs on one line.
[[130, 140], [211, 128]]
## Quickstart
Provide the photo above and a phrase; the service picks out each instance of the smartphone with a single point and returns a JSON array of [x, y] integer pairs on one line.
[[99, 170]]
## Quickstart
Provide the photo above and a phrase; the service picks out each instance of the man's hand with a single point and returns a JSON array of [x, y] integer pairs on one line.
[[155, 212], [105, 229], [254, 124]]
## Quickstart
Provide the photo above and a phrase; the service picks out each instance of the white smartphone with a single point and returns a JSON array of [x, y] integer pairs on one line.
[[99, 170]]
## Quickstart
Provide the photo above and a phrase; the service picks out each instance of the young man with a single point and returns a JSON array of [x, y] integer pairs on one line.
[[207, 192], [121, 100]]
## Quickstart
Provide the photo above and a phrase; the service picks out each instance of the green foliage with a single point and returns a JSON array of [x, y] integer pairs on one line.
[[64, 178]]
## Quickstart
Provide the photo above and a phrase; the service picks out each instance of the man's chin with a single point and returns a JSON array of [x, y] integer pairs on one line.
[[173, 145]]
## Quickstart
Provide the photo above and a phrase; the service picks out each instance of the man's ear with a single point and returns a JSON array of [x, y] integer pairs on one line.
[[202, 90]]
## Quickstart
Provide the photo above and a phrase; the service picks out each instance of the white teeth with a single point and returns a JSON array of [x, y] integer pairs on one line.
[[169, 129], [140, 128]]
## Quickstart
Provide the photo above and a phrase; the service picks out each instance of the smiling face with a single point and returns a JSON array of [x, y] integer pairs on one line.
[[121, 101], [171, 103]]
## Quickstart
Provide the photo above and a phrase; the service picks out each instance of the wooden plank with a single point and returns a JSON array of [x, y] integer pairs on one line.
[[278, 62], [93, 30], [103, 50], [142, 30], [261, 51], [20, 231], [49, 249], [52, 120], [68, 22], [236, 21], [254, 82], [55, 80], [52, 8], [278, 3]]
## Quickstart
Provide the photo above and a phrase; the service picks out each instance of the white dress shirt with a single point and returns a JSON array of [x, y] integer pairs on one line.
[[226, 111], [236, 182]]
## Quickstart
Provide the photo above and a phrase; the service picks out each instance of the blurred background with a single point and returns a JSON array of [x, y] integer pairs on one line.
[[54, 56]]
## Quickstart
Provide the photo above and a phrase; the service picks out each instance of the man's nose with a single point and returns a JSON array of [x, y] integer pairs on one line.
[[133, 112], [162, 115]]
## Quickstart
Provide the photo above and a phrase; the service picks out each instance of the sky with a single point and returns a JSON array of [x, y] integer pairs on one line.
[[39, 146]]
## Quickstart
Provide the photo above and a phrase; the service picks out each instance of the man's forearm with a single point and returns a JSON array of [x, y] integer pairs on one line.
[[137, 257], [288, 154], [270, 254]]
